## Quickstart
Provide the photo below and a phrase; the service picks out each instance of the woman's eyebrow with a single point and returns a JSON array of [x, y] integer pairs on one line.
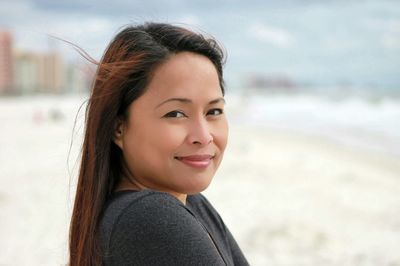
[[182, 100], [186, 100], [220, 99]]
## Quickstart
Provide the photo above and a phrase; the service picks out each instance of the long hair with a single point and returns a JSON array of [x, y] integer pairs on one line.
[[122, 76]]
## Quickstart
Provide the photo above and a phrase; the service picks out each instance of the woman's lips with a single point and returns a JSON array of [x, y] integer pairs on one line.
[[196, 161]]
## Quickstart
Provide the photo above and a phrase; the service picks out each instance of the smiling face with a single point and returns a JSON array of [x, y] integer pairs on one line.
[[176, 132]]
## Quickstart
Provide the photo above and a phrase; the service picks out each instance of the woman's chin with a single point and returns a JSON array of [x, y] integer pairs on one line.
[[197, 187]]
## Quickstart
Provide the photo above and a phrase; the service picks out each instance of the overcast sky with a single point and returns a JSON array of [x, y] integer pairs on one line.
[[323, 41]]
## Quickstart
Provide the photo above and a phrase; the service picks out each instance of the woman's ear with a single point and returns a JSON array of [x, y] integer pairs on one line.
[[119, 133]]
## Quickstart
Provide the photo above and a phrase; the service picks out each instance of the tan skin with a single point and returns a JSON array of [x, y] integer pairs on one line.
[[176, 132]]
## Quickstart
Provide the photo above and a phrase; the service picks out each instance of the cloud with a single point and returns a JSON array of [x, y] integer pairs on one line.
[[391, 36], [391, 41], [389, 31], [271, 35], [190, 19], [340, 44]]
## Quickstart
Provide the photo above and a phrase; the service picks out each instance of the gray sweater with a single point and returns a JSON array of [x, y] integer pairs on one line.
[[154, 228]]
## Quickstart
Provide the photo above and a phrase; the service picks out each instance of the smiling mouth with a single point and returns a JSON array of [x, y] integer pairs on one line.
[[197, 161]]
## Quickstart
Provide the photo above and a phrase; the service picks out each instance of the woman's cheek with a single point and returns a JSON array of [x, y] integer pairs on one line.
[[173, 135], [221, 134]]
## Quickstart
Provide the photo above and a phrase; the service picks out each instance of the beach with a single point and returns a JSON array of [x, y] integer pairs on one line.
[[299, 200], [290, 197]]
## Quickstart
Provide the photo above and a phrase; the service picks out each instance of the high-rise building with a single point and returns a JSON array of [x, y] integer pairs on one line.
[[51, 73], [39, 72], [30, 72], [6, 62], [26, 69], [79, 77]]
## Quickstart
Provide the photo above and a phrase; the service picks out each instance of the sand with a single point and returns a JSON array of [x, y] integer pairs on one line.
[[289, 199], [294, 199]]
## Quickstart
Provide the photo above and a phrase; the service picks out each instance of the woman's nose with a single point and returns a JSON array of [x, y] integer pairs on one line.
[[200, 133]]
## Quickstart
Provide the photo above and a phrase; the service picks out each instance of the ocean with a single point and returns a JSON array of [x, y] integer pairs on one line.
[[371, 123]]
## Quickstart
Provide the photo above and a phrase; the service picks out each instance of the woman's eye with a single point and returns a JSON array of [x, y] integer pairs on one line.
[[176, 114], [216, 111]]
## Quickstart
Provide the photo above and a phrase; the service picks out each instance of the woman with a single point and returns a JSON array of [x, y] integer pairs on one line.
[[155, 135]]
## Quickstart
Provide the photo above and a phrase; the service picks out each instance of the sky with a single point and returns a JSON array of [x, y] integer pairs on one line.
[[322, 42]]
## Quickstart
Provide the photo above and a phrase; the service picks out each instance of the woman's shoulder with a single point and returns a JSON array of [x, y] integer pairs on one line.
[[130, 209], [136, 205], [130, 202], [150, 225], [130, 199]]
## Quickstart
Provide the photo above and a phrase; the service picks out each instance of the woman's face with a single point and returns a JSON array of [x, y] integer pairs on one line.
[[176, 132]]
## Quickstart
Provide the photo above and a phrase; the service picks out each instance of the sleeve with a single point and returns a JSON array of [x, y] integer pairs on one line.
[[158, 230]]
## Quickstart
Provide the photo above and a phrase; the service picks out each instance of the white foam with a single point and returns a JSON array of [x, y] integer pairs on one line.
[[352, 121]]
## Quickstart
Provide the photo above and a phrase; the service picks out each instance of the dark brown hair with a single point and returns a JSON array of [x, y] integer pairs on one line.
[[122, 76]]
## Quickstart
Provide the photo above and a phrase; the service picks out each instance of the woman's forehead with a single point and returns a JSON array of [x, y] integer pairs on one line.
[[184, 75]]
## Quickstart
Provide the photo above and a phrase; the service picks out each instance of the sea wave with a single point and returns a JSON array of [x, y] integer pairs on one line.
[[354, 121]]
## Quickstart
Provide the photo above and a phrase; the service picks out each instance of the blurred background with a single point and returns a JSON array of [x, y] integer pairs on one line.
[[312, 173]]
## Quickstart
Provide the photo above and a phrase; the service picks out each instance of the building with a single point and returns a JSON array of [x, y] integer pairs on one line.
[[80, 76], [6, 63], [30, 72], [38, 72], [25, 69], [50, 73]]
